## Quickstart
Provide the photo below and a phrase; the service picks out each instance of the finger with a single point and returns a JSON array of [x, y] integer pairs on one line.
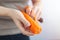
[[22, 19], [28, 10], [20, 26], [38, 15]]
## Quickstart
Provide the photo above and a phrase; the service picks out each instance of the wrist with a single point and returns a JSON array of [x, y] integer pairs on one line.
[[11, 13]]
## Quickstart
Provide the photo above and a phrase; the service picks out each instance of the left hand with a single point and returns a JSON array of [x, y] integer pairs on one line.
[[35, 11]]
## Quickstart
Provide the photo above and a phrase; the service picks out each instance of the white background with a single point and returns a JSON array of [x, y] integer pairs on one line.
[[51, 24]]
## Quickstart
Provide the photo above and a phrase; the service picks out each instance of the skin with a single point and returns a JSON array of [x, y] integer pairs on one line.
[[16, 16], [36, 9]]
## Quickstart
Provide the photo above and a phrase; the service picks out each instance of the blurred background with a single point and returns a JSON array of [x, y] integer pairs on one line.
[[51, 24]]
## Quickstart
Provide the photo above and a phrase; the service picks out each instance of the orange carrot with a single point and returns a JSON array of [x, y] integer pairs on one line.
[[35, 27]]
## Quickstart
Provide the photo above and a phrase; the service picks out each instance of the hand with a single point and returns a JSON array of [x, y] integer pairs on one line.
[[18, 17], [35, 11]]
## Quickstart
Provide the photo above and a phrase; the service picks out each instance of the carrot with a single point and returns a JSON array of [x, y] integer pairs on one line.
[[35, 27]]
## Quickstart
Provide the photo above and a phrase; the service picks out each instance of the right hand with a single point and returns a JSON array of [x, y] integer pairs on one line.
[[18, 17]]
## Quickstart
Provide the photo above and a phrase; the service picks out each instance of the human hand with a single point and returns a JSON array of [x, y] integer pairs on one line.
[[20, 21], [34, 12]]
